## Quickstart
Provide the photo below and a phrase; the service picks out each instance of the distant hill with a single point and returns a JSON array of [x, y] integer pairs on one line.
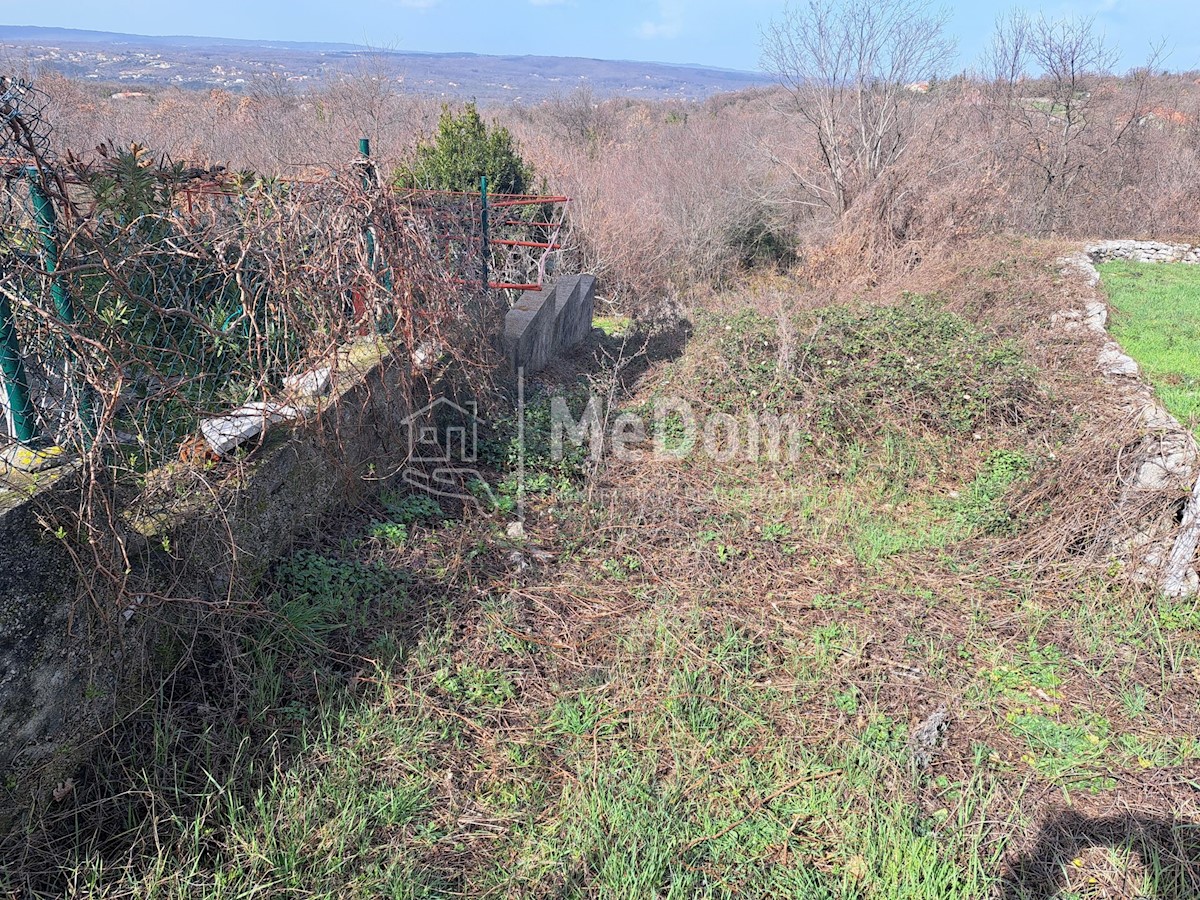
[[233, 64]]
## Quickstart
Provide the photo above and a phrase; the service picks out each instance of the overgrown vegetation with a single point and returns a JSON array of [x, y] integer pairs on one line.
[[1039, 136], [889, 656], [686, 677], [462, 151]]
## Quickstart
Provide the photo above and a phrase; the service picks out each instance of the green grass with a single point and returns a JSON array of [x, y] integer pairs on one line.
[[1157, 322]]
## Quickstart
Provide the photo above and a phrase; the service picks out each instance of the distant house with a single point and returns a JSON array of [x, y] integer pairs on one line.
[[918, 87]]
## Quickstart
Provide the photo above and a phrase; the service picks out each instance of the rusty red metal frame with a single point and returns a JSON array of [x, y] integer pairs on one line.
[[218, 186]]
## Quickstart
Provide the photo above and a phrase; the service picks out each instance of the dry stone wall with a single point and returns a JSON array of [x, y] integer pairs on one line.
[[1158, 549]]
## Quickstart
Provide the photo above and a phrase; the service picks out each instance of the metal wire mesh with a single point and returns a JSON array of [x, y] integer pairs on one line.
[[145, 296], [26, 133], [515, 253]]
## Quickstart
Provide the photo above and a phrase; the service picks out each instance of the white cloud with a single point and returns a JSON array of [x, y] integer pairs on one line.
[[669, 23], [419, 4]]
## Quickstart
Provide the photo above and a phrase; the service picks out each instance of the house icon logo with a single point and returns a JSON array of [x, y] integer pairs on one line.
[[443, 452], [444, 432]]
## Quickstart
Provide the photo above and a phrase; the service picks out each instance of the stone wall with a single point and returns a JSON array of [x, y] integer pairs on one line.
[[74, 650], [1165, 461], [1143, 251], [51, 665]]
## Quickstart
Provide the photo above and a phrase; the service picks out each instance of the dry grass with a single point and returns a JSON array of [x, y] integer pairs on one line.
[[701, 678]]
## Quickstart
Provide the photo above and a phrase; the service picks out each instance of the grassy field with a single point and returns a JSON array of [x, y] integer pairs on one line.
[[840, 675], [1157, 321]]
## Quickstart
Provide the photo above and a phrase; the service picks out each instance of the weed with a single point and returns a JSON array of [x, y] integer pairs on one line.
[[1135, 699], [474, 685], [980, 507], [408, 509], [579, 715], [394, 533], [848, 700], [1064, 751]]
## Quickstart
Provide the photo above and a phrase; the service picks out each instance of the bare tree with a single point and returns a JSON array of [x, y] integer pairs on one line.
[[855, 70], [580, 118], [1058, 108]]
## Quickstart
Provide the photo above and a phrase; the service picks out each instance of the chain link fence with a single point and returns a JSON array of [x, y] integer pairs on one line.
[[138, 297]]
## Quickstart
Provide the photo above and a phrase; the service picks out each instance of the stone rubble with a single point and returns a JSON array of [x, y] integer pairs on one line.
[[1142, 251], [226, 433]]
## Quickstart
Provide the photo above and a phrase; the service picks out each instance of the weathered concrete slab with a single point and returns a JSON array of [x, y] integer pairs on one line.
[[228, 432], [574, 306], [52, 679], [313, 383], [529, 330]]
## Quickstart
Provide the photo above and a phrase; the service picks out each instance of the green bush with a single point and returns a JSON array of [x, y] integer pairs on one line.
[[464, 149]]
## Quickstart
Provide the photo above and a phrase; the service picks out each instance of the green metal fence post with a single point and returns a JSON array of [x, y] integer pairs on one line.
[[47, 222], [16, 384], [368, 170], [369, 180], [483, 195], [44, 210]]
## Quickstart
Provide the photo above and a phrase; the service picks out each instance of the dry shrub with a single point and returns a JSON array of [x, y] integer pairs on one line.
[[671, 198], [273, 128], [675, 199]]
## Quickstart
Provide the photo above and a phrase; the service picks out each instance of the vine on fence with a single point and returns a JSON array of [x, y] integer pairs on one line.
[[141, 296]]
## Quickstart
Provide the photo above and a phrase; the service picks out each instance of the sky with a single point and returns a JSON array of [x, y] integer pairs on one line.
[[724, 33]]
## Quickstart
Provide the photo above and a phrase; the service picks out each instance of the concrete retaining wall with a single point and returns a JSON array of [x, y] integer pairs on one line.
[[71, 652], [544, 323]]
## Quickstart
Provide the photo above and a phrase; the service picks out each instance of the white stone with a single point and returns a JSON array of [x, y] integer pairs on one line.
[[1153, 475], [313, 383], [1113, 361], [1154, 416], [226, 433], [425, 355], [1067, 319], [1095, 315], [1185, 585]]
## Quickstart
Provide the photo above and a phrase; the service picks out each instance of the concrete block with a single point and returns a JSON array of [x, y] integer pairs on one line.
[[32, 460], [225, 433], [573, 309], [310, 384], [544, 323], [529, 330]]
